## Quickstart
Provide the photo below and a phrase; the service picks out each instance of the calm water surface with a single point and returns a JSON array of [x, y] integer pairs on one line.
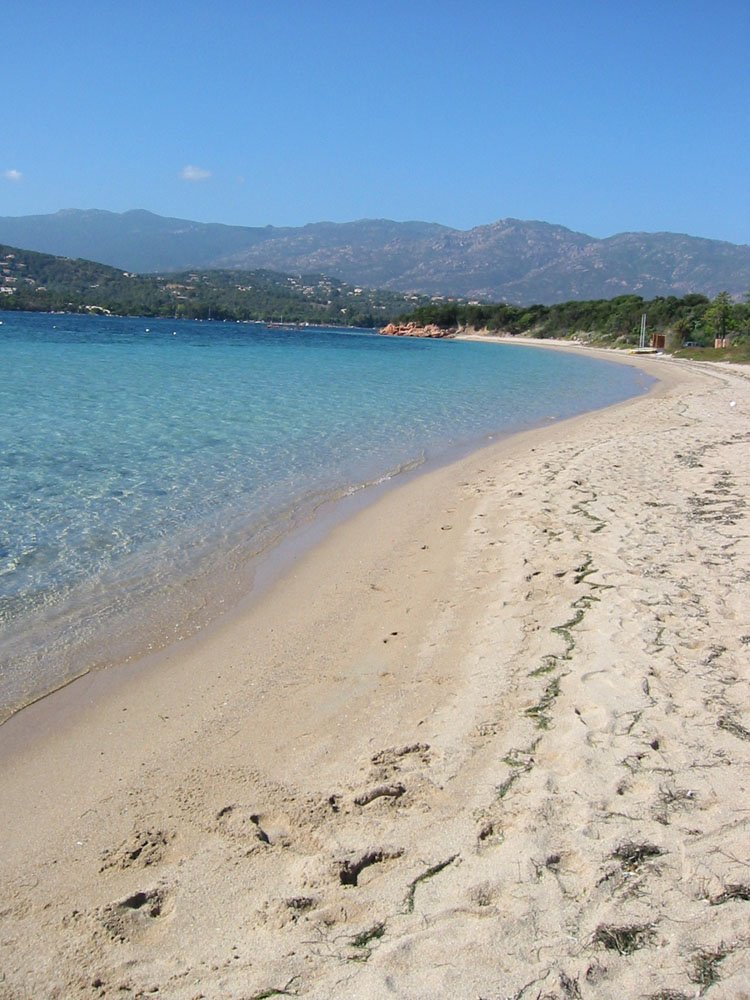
[[141, 457]]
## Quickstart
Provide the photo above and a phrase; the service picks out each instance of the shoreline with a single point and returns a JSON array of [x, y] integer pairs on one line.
[[420, 731], [265, 570], [193, 597], [260, 565]]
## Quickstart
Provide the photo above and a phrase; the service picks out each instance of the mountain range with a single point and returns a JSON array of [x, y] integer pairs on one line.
[[510, 260]]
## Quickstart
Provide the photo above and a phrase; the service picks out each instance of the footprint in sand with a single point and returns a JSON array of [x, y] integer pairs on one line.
[[350, 868], [144, 848], [135, 915], [242, 823]]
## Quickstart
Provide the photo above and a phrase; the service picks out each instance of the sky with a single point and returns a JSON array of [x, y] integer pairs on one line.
[[602, 117]]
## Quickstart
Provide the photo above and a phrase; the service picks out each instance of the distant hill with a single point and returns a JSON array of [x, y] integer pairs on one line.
[[510, 260], [134, 241], [43, 282]]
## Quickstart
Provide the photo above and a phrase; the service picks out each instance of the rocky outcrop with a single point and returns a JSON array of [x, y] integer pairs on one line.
[[415, 330]]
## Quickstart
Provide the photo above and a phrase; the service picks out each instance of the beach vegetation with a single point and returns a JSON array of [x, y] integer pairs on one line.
[[539, 712], [548, 664], [505, 786], [631, 855], [373, 933], [521, 759], [276, 991], [689, 323], [733, 727], [730, 892], [429, 873], [626, 939], [705, 966], [737, 351]]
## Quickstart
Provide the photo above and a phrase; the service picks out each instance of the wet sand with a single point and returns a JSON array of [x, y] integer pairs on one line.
[[489, 738]]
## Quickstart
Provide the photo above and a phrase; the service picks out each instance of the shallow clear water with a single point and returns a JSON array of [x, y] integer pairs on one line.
[[136, 456]]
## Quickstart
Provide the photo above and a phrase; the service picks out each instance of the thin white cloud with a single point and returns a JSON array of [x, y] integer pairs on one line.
[[13, 175], [192, 173]]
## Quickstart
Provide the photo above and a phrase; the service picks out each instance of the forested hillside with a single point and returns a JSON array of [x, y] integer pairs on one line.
[[41, 282]]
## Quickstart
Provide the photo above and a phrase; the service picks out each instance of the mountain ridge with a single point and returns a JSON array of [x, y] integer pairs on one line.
[[512, 260]]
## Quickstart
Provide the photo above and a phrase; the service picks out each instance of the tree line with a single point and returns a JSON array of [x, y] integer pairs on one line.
[[691, 320]]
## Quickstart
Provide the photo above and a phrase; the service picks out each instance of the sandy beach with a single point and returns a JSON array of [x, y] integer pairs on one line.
[[490, 738]]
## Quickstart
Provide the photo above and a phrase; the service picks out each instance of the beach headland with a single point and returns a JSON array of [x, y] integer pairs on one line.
[[489, 738]]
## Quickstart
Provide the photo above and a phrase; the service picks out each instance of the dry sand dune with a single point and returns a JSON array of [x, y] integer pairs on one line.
[[490, 739]]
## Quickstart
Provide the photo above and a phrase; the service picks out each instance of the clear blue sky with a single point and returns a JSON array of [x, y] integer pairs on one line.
[[600, 116]]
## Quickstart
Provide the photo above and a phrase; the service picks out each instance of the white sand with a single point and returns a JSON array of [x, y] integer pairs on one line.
[[490, 739]]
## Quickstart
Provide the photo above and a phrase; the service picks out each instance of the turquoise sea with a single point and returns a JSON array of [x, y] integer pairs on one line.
[[143, 461]]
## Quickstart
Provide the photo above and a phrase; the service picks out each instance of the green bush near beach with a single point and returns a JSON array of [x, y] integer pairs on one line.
[[690, 323]]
